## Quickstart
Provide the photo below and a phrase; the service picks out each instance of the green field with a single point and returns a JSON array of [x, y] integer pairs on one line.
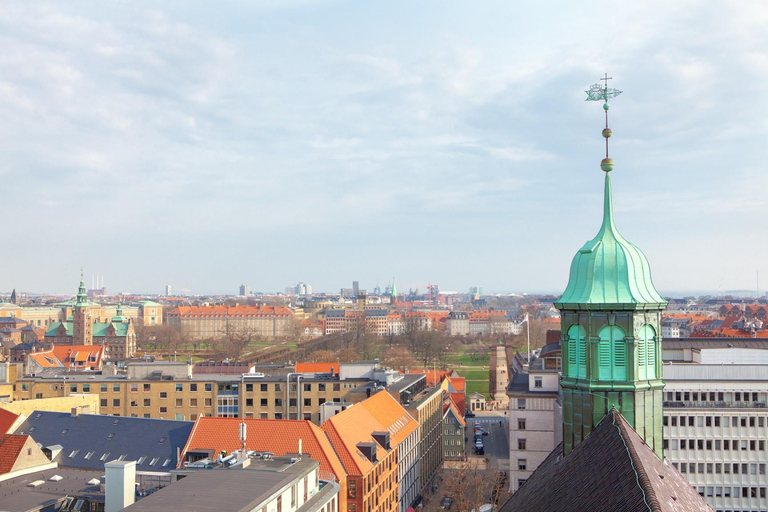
[[478, 387], [474, 374]]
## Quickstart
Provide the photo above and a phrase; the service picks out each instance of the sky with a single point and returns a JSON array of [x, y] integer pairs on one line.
[[266, 142]]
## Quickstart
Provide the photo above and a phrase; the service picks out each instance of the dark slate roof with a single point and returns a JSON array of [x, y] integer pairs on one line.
[[115, 436], [612, 469]]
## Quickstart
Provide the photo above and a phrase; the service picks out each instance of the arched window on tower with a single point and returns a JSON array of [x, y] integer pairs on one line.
[[646, 353], [611, 354], [577, 352]]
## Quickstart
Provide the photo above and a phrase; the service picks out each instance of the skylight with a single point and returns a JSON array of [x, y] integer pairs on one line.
[[110, 436], [162, 439], [104, 457], [154, 461], [88, 455], [122, 457], [167, 461], [63, 432], [141, 459], [73, 453]]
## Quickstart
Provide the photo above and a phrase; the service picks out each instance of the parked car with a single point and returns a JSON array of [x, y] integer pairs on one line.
[[480, 450], [446, 504], [469, 414]]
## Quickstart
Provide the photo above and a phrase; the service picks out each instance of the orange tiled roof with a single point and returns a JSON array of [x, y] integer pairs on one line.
[[460, 400], [276, 436], [457, 384], [317, 368], [10, 447], [7, 419], [357, 423], [59, 356]]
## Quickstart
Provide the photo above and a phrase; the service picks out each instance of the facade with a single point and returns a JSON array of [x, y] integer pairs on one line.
[[716, 431], [427, 409], [535, 419], [210, 322], [454, 432]]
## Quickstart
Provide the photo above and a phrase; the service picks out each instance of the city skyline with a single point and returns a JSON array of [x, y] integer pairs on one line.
[[263, 143]]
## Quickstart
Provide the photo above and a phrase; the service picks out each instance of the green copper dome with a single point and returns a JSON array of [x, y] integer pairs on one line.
[[610, 271]]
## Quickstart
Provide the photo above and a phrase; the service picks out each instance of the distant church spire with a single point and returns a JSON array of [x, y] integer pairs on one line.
[[610, 327]]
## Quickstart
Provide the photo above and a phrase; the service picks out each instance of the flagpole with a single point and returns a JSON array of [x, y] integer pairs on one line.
[[528, 330]]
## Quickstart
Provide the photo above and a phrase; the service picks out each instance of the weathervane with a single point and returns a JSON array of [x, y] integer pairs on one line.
[[601, 92]]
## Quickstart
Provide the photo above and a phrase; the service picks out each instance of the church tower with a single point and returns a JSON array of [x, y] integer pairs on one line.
[[610, 329], [82, 325]]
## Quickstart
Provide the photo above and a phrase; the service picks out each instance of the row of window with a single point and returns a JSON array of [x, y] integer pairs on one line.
[[719, 468], [713, 396], [714, 421], [719, 444], [725, 492], [611, 353], [147, 402]]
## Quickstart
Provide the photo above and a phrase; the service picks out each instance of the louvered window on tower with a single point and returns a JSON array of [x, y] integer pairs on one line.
[[577, 352], [612, 354], [646, 353]]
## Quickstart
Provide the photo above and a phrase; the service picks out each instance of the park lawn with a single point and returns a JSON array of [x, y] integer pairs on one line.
[[467, 360], [474, 374], [478, 387]]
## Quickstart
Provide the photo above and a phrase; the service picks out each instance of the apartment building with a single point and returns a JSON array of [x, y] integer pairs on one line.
[[369, 458], [168, 390], [454, 432], [427, 408], [716, 431], [209, 322], [385, 435], [535, 414]]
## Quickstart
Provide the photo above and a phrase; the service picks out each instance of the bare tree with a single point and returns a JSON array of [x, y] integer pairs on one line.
[[321, 356], [399, 358], [235, 341]]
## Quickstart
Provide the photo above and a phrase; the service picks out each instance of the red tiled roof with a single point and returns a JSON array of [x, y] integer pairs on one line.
[[317, 368], [276, 436], [10, 447], [449, 404], [59, 356], [459, 400], [7, 419], [434, 377]]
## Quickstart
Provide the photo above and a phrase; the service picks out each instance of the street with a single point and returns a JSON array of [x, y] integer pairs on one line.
[[495, 444]]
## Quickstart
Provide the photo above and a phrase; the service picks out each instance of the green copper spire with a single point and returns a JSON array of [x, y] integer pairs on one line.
[[610, 325], [82, 295], [119, 318]]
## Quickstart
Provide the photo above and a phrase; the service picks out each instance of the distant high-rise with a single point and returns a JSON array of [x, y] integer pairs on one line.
[[245, 290], [167, 290], [355, 288]]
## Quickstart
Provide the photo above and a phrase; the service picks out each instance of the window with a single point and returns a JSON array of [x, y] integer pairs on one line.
[[307, 402], [103, 402], [278, 402], [208, 386], [646, 353], [146, 387], [179, 402], [73, 388], [577, 352], [209, 402], [103, 388], [336, 386], [147, 402], [307, 387], [134, 388], [163, 394], [612, 354], [115, 402], [87, 389], [115, 388], [522, 464], [521, 424], [263, 402], [249, 402], [521, 403], [193, 387], [179, 416], [249, 387], [521, 444], [134, 403], [537, 382], [321, 386], [179, 387]]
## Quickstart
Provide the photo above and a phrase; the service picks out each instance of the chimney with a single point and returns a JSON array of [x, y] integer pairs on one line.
[[382, 438], [120, 485], [74, 412]]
